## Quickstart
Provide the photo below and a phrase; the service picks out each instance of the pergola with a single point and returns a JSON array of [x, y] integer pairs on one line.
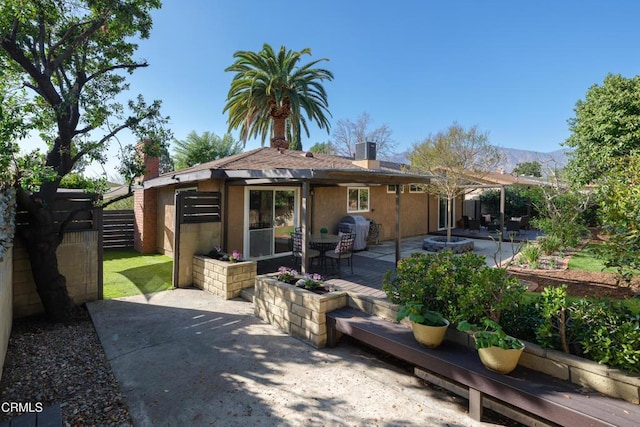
[[310, 178]]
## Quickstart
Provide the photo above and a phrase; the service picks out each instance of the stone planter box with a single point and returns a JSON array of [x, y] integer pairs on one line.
[[296, 311], [223, 278]]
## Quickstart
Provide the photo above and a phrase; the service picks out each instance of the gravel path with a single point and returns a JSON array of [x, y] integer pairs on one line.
[[62, 364]]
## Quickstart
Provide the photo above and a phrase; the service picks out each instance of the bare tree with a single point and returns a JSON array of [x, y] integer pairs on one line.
[[347, 134], [457, 158]]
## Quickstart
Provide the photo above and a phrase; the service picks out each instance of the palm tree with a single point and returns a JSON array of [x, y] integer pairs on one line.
[[269, 91]]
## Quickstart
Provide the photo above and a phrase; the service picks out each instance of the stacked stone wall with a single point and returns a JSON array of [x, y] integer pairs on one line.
[[223, 278], [296, 311]]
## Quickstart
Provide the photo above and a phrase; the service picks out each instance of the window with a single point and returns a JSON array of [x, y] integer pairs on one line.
[[416, 188], [357, 199], [392, 189]]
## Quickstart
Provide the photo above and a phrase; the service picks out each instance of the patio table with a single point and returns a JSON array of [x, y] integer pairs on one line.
[[324, 242]]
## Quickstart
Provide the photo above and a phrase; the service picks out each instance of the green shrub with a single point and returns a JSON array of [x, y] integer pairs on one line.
[[522, 320], [464, 288], [550, 244], [461, 287], [530, 254], [600, 330], [552, 331], [487, 294], [608, 332]]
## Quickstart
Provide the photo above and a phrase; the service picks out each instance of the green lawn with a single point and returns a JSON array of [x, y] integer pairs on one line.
[[127, 273], [586, 260]]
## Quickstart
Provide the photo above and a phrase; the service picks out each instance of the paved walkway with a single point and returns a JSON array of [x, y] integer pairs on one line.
[[185, 357]]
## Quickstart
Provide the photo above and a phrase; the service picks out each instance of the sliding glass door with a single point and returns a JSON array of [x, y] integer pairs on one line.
[[270, 217]]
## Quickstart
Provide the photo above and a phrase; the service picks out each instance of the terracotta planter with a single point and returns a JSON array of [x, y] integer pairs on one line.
[[500, 360], [429, 336]]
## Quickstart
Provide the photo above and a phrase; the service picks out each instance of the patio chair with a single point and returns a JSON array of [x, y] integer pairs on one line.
[[344, 250], [312, 254], [474, 225], [465, 222], [513, 226]]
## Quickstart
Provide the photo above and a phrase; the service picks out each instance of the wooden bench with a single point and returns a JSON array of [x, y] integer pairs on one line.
[[533, 392]]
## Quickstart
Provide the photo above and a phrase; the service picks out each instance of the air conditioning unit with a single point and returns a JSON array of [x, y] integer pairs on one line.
[[365, 151]]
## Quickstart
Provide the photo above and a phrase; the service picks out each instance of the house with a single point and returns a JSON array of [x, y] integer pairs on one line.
[[259, 196], [494, 181]]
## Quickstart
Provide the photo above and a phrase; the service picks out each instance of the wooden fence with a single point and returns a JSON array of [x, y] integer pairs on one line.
[[86, 218], [117, 229]]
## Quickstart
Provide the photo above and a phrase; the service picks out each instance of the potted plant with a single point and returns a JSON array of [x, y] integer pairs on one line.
[[324, 230], [498, 351], [429, 327]]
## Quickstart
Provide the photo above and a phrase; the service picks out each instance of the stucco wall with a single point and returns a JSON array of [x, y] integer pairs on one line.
[[165, 224], [235, 219], [195, 239], [330, 206], [166, 215], [6, 303], [419, 214], [77, 261]]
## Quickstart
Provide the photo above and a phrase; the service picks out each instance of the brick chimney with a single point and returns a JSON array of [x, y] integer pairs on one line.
[[151, 163], [145, 205]]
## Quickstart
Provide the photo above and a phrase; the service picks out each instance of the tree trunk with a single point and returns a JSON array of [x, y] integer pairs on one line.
[[448, 220], [279, 117], [50, 284], [42, 238]]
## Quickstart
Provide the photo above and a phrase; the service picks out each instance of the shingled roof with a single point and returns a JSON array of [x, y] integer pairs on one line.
[[276, 164]]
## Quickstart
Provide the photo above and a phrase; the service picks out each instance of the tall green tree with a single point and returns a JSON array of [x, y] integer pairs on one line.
[[528, 169], [73, 56], [606, 126], [323, 148], [620, 214], [203, 148], [270, 91], [457, 158]]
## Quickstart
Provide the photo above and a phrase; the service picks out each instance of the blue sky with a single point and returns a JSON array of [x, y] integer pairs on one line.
[[514, 69]]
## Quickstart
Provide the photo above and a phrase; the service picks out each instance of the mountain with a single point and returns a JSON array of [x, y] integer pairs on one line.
[[512, 156], [549, 161]]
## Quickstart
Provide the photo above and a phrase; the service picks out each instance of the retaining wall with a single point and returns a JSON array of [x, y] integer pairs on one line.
[[6, 303], [609, 381], [296, 311], [78, 261], [223, 278]]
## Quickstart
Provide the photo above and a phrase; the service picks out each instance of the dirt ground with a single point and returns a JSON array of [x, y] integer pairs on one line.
[[579, 283]]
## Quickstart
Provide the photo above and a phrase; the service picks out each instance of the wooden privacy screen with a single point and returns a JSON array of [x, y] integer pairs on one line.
[[198, 207], [86, 216]]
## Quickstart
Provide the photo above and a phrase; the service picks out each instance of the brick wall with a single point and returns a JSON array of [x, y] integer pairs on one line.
[[145, 220], [146, 207]]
